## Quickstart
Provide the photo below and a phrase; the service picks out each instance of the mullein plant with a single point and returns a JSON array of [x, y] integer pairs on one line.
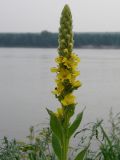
[[66, 74]]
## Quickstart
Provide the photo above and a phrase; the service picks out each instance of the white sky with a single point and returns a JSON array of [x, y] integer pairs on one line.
[[38, 15]]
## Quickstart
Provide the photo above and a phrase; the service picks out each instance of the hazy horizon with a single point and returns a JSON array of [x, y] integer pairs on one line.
[[35, 16]]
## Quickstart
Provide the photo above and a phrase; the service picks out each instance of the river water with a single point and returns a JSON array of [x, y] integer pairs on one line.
[[26, 84]]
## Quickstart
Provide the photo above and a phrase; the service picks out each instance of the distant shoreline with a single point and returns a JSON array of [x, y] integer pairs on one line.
[[45, 39]]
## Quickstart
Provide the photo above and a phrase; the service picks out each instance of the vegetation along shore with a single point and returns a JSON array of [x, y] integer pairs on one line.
[[47, 39]]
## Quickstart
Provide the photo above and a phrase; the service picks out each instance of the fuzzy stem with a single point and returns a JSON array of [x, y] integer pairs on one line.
[[66, 141]]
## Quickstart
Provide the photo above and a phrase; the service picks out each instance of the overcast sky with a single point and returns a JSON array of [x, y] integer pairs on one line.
[[38, 15]]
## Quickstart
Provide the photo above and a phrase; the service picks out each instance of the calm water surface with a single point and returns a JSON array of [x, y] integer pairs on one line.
[[26, 83]]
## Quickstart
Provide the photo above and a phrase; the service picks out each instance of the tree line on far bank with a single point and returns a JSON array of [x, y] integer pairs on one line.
[[47, 39]]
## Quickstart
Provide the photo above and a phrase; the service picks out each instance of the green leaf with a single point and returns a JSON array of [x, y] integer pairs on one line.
[[110, 145], [106, 136], [81, 155], [56, 146], [56, 125], [75, 124]]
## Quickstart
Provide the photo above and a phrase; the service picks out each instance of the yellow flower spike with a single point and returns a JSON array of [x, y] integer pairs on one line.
[[66, 83], [67, 63], [68, 100]]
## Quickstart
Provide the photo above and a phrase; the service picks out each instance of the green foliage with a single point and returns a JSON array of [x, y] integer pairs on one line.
[[75, 124], [9, 150], [38, 147], [57, 146], [56, 125], [110, 143], [106, 139], [61, 135], [81, 155], [58, 134]]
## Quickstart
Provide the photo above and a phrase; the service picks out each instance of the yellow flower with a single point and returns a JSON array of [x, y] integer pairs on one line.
[[75, 57], [77, 84], [76, 73], [64, 74], [67, 62], [71, 62], [59, 112], [59, 59], [68, 99], [55, 91], [63, 60], [59, 88], [54, 69], [74, 65]]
